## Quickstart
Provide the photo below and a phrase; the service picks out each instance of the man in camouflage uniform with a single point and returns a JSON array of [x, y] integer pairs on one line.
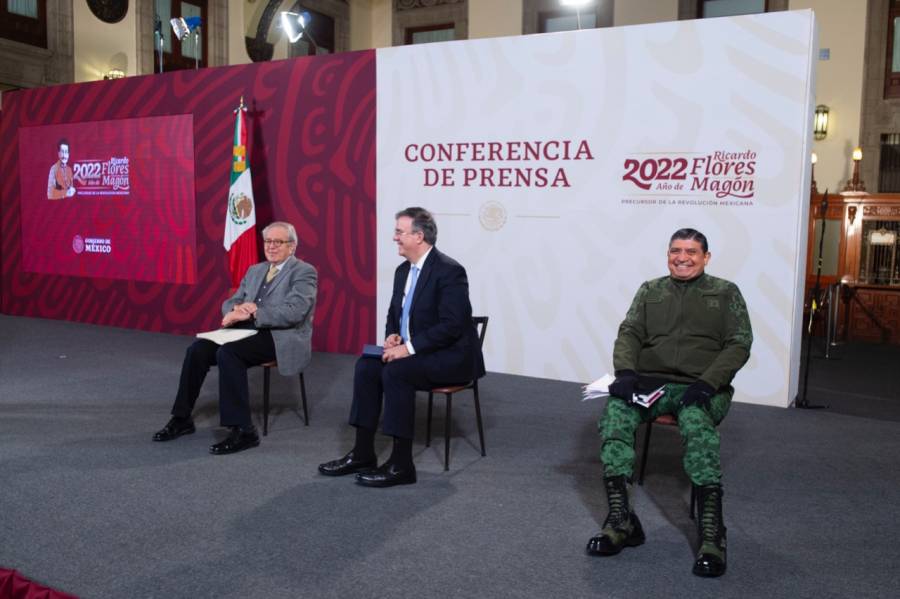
[[690, 332]]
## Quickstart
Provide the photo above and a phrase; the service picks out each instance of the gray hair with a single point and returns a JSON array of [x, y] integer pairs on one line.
[[422, 222], [291, 231]]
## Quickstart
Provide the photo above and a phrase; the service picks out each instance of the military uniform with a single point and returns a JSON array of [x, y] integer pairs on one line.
[[677, 333]]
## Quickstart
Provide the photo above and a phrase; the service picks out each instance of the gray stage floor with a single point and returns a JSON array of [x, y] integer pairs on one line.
[[89, 505]]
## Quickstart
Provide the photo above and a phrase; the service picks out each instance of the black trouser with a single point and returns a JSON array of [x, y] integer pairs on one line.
[[397, 381], [233, 360]]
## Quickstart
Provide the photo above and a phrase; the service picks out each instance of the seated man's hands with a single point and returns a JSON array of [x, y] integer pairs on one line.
[[395, 353], [247, 308], [623, 386], [239, 312], [233, 317], [698, 394], [392, 340]]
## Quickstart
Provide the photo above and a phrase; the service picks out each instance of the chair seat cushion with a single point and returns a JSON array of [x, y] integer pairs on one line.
[[451, 388], [668, 419]]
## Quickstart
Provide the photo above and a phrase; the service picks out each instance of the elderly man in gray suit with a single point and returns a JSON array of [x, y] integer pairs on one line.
[[276, 298]]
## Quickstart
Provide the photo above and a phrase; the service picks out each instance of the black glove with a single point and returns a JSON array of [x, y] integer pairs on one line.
[[623, 386], [698, 394]]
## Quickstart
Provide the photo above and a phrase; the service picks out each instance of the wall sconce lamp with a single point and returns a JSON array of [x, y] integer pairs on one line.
[[820, 122], [855, 184]]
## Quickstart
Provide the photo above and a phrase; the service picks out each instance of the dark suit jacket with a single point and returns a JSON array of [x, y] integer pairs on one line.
[[440, 320]]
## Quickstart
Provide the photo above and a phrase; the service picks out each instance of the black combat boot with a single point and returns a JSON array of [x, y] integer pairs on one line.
[[711, 555], [621, 527]]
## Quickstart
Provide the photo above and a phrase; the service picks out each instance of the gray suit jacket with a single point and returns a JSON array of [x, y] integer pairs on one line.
[[287, 310]]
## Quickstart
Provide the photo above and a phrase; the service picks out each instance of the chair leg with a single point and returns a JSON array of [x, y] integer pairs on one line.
[[645, 452], [428, 423], [447, 434], [303, 397], [693, 507], [478, 417], [266, 375]]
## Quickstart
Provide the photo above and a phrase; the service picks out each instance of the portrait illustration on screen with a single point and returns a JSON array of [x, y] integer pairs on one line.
[[60, 183]]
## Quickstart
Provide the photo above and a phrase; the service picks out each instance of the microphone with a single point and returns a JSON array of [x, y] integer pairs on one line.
[[824, 203]]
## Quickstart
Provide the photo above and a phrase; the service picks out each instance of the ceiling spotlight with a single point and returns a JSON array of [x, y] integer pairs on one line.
[[577, 5], [294, 25], [182, 26]]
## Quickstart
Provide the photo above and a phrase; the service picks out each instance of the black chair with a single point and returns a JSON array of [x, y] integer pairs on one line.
[[448, 391], [667, 420], [267, 366]]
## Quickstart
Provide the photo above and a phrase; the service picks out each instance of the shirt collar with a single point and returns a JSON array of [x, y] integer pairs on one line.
[[421, 261], [279, 265], [687, 281]]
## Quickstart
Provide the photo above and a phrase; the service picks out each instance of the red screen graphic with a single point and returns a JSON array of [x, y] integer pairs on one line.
[[112, 199]]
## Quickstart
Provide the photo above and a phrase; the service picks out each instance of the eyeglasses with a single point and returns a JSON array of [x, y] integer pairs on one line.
[[276, 242], [401, 233]]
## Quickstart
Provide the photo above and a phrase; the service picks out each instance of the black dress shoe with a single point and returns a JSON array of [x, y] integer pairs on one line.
[[347, 465], [709, 565], [615, 536], [238, 440], [387, 475], [174, 429]]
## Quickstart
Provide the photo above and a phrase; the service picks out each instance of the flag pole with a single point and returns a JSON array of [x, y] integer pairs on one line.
[[240, 222]]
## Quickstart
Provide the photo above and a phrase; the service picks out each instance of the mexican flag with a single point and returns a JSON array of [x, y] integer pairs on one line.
[[240, 219]]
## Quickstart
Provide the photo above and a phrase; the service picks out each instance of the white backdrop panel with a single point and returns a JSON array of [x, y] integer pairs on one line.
[[701, 123]]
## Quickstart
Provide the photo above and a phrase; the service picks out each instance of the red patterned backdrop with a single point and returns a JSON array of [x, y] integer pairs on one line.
[[312, 154]]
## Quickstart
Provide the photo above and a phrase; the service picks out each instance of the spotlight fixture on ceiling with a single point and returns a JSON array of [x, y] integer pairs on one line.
[[160, 39], [577, 5], [294, 25], [183, 27]]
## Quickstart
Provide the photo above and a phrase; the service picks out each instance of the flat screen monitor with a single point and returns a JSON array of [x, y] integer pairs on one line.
[[110, 199]]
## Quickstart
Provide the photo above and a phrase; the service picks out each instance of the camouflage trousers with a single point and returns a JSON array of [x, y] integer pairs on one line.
[[699, 436]]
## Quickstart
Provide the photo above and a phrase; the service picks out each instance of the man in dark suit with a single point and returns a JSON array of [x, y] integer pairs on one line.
[[429, 341], [276, 298]]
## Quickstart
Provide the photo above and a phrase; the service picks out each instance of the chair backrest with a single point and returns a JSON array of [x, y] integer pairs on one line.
[[480, 323]]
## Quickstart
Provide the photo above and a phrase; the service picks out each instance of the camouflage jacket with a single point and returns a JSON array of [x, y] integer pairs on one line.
[[682, 331]]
